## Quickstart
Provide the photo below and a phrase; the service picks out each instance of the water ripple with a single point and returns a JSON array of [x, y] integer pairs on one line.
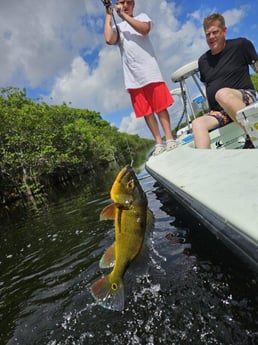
[[194, 291]]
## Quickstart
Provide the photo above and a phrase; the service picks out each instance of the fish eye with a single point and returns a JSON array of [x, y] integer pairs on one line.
[[114, 286], [130, 184]]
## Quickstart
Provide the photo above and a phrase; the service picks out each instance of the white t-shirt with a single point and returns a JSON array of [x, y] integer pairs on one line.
[[140, 65]]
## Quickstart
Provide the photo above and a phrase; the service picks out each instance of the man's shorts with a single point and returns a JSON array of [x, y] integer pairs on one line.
[[248, 97], [151, 98]]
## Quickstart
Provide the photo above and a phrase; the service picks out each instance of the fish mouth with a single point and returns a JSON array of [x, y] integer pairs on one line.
[[126, 170], [121, 175], [126, 190]]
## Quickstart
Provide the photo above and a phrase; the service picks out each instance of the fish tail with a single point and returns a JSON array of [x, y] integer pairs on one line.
[[109, 293]]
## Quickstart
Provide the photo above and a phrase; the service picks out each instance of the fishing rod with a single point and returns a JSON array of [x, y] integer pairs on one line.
[[109, 6]]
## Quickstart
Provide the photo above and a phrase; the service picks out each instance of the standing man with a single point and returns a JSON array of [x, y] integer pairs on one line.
[[224, 69], [143, 80]]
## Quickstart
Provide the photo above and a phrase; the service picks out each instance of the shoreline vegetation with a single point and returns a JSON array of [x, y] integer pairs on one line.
[[43, 145]]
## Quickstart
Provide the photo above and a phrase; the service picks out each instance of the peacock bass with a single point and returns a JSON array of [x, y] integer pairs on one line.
[[131, 215]]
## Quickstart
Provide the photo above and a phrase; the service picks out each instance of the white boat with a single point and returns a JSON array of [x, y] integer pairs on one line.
[[220, 185]]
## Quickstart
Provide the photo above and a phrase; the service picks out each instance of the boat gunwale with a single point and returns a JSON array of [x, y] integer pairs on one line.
[[242, 245]]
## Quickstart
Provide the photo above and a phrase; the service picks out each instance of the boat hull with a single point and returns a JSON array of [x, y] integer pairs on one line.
[[219, 186]]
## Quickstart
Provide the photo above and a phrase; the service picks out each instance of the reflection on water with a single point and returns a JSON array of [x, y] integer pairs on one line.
[[195, 292]]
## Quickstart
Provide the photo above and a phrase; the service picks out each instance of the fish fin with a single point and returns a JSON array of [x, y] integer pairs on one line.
[[108, 258], [108, 212], [150, 218], [109, 294]]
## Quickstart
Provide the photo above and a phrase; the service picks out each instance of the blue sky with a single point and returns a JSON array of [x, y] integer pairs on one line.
[[55, 49]]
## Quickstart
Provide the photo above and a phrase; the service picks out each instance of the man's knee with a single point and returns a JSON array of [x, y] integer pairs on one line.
[[197, 124], [222, 94], [204, 123], [227, 95]]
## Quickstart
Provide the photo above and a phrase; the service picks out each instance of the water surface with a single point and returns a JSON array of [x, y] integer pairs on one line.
[[195, 291]]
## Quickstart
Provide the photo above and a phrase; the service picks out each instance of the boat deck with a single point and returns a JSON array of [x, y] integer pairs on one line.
[[220, 186]]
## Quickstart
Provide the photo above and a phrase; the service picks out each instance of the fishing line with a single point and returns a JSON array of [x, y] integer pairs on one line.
[[130, 153]]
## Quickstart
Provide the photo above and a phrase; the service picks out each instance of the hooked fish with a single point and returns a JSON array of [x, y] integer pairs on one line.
[[131, 214]]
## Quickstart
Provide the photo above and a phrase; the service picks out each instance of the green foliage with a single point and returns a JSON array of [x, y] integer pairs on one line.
[[254, 78], [39, 141]]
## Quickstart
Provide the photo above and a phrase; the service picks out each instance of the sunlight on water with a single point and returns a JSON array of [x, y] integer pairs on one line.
[[194, 291]]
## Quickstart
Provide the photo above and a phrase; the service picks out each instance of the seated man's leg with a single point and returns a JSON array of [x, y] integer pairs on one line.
[[232, 100], [201, 127]]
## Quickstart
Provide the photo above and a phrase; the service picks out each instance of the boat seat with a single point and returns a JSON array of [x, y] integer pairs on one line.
[[185, 72], [180, 75], [230, 136], [248, 117]]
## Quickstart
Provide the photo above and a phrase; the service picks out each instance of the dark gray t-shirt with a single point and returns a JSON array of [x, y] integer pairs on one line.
[[229, 68]]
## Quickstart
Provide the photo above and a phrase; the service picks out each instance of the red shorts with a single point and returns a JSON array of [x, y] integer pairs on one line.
[[151, 98]]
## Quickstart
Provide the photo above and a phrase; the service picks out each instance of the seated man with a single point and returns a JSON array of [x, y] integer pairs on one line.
[[224, 69]]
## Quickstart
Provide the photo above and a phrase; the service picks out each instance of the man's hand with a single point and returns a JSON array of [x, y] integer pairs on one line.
[[120, 10], [107, 3]]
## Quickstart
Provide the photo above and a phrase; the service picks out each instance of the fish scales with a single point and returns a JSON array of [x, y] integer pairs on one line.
[[131, 215]]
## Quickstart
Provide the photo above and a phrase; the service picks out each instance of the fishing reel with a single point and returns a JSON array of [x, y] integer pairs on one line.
[[107, 3]]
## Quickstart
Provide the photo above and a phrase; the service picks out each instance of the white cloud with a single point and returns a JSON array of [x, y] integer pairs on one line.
[[132, 125], [233, 17], [59, 45], [101, 89], [39, 39]]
